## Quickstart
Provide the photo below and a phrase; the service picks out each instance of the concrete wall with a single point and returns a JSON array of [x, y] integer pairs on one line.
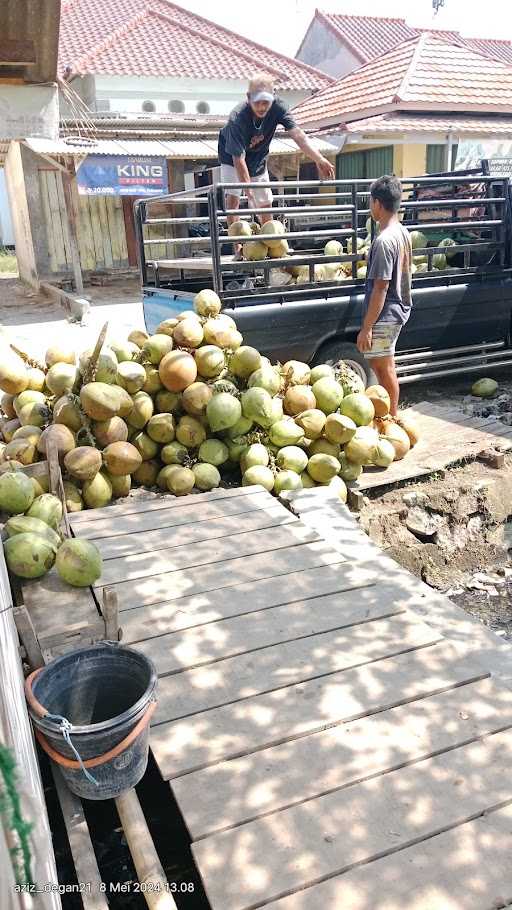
[[126, 94], [323, 49], [410, 160]]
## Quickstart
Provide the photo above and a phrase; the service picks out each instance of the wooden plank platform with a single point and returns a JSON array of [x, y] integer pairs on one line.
[[321, 740], [446, 436]]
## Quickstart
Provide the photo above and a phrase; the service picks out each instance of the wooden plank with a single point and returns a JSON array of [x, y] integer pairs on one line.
[[56, 221], [96, 231], [171, 585], [249, 632], [265, 720], [64, 218], [328, 835], [172, 517], [191, 534], [239, 600], [85, 235], [80, 843], [121, 230], [55, 614], [277, 666], [105, 236], [28, 637], [112, 230], [235, 792], [154, 501], [466, 868], [43, 186], [144, 565]]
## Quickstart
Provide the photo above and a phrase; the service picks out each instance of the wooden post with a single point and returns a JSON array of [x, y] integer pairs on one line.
[[110, 611], [56, 485], [145, 858], [69, 185]]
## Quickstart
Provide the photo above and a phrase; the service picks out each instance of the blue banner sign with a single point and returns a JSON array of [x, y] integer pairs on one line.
[[122, 175]]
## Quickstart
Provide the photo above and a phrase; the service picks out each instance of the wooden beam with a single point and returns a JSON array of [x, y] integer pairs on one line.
[[145, 858], [71, 196], [17, 52]]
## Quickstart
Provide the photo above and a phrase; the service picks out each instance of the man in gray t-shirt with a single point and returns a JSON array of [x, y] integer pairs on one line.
[[388, 302]]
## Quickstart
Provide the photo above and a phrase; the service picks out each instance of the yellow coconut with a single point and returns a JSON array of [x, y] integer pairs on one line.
[[83, 462], [56, 354], [298, 398], [195, 398], [121, 485], [107, 431], [121, 458], [380, 399], [177, 371], [147, 474], [13, 373], [62, 436], [98, 491], [36, 379], [138, 337], [73, 497], [99, 400], [141, 412], [66, 410]]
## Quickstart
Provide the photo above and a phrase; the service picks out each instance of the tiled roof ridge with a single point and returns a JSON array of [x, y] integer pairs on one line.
[[404, 84], [327, 19], [229, 33], [110, 39]]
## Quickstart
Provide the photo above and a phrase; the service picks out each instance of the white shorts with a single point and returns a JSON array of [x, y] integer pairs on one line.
[[262, 198], [384, 339]]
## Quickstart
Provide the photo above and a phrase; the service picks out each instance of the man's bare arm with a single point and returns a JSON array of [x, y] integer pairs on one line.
[[377, 300], [325, 168]]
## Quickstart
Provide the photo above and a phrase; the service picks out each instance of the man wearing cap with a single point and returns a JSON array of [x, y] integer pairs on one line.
[[244, 144]]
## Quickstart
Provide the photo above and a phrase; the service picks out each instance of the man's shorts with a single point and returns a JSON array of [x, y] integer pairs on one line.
[[262, 198], [384, 339]]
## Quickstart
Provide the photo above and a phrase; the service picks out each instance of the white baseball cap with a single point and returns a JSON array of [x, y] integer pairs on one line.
[[261, 96]]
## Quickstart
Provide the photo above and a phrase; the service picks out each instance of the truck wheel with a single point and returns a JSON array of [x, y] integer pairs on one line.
[[335, 351]]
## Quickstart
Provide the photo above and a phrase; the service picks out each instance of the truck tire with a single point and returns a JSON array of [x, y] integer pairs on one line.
[[334, 351]]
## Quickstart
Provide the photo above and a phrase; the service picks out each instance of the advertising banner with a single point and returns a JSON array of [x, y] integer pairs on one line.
[[122, 175]]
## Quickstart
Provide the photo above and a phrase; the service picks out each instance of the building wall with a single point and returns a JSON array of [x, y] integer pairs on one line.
[[323, 49], [410, 160], [126, 94]]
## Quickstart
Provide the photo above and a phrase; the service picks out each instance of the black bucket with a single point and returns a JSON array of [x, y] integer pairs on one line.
[[107, 693]]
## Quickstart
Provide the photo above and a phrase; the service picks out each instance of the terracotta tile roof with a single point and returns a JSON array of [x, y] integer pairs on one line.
[[368, 37], [430, 123], [159, 38], [423, 73]]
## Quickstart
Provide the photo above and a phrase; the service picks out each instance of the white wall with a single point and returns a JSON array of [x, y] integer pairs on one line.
[[6, 228], [127, 93], [321, 48]]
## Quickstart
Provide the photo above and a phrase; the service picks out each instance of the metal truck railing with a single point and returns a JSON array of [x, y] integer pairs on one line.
[[199, 253]]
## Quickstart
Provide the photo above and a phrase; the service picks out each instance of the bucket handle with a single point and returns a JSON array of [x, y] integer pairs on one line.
[[90, 762]]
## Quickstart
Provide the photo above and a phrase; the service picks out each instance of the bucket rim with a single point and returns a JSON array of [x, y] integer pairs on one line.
[[110, 724]]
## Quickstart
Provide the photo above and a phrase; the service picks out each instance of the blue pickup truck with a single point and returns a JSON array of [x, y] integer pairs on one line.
[[462, 286]]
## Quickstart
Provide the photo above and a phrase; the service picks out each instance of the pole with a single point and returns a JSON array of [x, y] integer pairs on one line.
[[70, 196]]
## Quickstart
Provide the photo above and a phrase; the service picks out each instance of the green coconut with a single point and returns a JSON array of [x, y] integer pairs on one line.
[[131, 376], [484, 388], [320, 372], [29, 555], [174, 453], [339, 429], [223, 411], [210, 361], [121, 485], [328, 394], [47, 508], [287, 480], [188, 333], [266, 377], [73, 497], [108, 431], [146, 446], [207, 302], [383, 454], [22, 450], [285, 432], [237, 448], [28, 432], [255, 454], [190, 432], [106, 366], [156, 347], [292, 458], [257, 406], [180, 481], [168, 402], [9, 428], [206, 476], [213, 451], [62, 437], [312, 422], [254, 250], [36, 379], [141, 412], [121, 458], [162, 477], [56, 354], [240, 428], [16, 492], [350, 471], [259, 475], [195, 398], [359, 408], [161, 428], [138, 337], [238, 229], [29, 396], [418, 240], [124, 350], [167, 326], [295, 372], [100, 400], [361, 447], [66, 410], [339, 486], [79, 563], [83, 463], [61, 378], [307, 482], [322, 468], [7, 405], [244, 361], [147, 473], [24, 524], [34, 414], [220, 331], [97, 492], [324, 447], [153, 383]]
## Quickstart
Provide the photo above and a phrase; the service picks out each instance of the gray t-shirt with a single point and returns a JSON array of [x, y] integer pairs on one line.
[[390, 259]]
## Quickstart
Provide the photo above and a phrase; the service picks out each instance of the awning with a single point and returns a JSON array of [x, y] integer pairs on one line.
[[194, 149]]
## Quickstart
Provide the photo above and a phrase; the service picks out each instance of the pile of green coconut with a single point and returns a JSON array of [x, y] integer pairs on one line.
[[184, 410]]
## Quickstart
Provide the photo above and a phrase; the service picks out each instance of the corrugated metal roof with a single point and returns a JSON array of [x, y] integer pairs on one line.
[[178, 148]]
